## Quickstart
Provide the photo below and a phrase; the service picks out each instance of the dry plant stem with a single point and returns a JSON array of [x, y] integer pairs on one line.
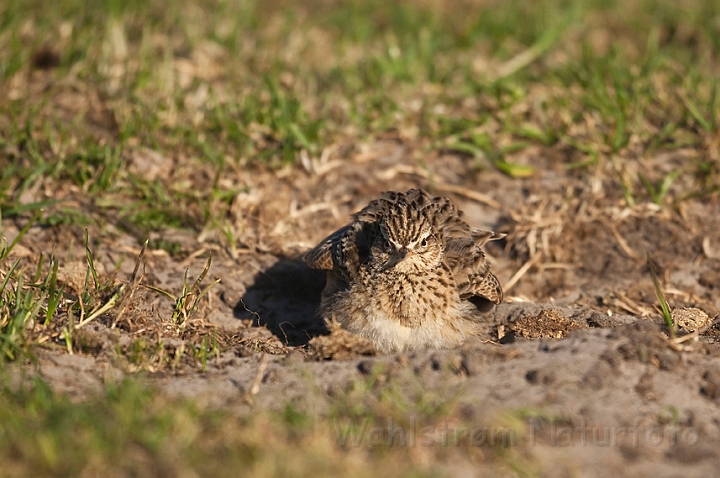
[[521, 272], [621, 241], [135, 281], [451, 188], [255, 387], [519, 62], [631, 306], [191, 257], [108, 305], [468, 193]]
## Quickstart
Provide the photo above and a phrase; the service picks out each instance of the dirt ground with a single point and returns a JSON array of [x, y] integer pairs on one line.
[[576, 359]]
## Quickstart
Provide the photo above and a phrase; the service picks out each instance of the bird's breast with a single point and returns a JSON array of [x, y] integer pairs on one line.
[[411, 299], [403, 312]]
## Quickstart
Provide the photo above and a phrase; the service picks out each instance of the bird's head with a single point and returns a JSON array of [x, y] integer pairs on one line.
[[407, 241]]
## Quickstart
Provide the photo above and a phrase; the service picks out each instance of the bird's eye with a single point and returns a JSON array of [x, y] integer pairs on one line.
[[424, 242], [387, 244]]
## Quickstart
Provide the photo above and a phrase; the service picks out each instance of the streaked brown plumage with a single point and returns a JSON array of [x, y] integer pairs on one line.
[[407, 273]]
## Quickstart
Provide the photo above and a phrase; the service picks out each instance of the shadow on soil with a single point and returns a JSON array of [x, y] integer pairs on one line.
[[285, 298]]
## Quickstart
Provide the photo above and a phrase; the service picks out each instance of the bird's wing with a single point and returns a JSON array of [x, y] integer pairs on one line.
[[447, 219], [483, 236], [463, 253], [377, 208], [322, 255], [471, 268], [344, 250]]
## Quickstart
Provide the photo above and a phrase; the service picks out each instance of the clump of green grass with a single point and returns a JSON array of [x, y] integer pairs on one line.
[[35, 309], [22, 303], [34, 302], [187, 303]]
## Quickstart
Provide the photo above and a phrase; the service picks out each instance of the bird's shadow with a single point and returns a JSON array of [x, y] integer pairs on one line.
[[285, 298]]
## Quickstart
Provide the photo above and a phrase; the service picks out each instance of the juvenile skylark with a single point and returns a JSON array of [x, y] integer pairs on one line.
[[407, 273]]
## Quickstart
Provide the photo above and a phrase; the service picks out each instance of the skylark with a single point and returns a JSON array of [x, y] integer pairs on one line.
[[407, 273]]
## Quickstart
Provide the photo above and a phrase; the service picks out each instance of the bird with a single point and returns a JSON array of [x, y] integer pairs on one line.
[[407, 273]]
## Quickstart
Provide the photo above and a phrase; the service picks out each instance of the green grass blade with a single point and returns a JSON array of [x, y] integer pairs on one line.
[[91, 262], [667, 316]]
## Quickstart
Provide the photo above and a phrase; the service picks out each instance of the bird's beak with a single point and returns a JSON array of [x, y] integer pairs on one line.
[[396, 257]]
